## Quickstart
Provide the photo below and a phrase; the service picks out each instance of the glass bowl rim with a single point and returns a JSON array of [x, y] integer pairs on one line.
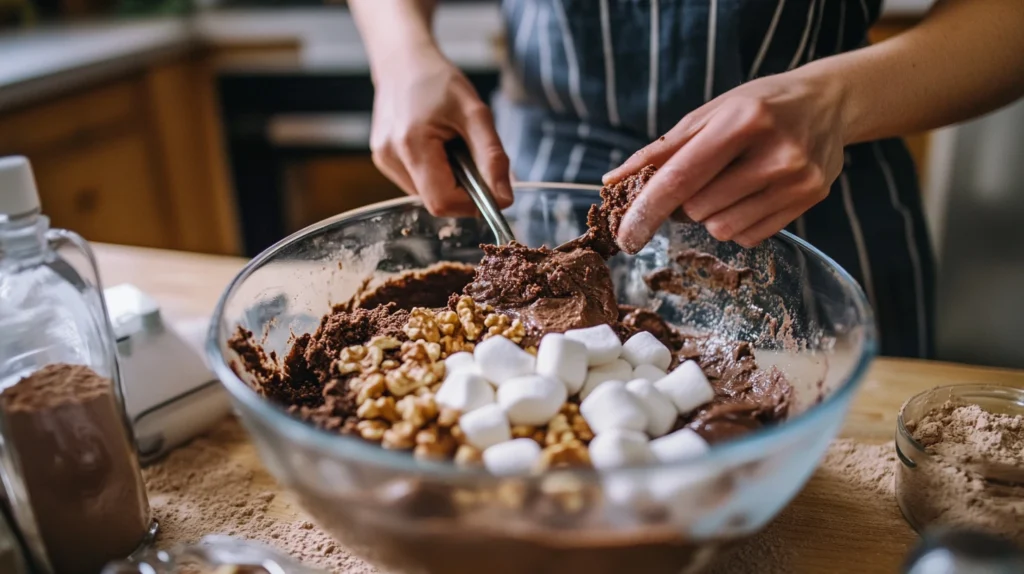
[[992, 390], [361, 451]]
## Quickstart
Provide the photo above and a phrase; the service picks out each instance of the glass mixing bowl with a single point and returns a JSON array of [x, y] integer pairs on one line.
[[801, 312]]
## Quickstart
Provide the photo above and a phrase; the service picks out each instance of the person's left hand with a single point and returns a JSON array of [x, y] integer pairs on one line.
[[745, 164]]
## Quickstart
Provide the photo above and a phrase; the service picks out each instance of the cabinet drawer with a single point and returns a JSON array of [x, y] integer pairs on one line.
[[70, 120], [105, 192]]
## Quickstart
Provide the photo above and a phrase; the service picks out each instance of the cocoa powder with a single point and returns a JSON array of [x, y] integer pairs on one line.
[[974, 476], [78, 465]]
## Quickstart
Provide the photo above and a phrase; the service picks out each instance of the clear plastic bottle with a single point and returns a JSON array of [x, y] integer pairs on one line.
[[67, 457]]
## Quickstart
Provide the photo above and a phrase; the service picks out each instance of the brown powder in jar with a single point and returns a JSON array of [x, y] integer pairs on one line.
[[975, 476], [78, 465]]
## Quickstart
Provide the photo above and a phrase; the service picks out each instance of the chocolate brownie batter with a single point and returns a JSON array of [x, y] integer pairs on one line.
[[549, 291], [429, 287], [603, 220]]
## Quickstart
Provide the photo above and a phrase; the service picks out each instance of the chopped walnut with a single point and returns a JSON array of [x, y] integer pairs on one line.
[[531, 350], [421, 351], [564, 455], [559, 431], [422, 326], [523, 431], [434, 444], [380, 408], [447, 417], [384, 343], [471, 317], [417, 410], [469, 455], [511, 493], [411, 375], [372, 430], [566, 491], [448, 323], [369, 387], [401, 436], [498, 324]]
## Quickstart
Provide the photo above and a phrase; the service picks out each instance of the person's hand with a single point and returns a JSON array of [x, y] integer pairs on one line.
[[420, 102], [745, 164]]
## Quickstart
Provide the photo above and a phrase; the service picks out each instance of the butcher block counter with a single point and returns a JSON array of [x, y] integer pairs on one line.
[[845, 520]]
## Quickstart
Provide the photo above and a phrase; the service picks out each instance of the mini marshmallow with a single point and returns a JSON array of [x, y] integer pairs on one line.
[[486, 426], [661, 413], [687, 387], [603, 344], [619, 447], [563, 359], [648, 372], [531, 400], [461, 361], [617, 370], [516, 456], [680, 445], [645, 349], [613, 408], [464, 391], [607, 386], [500, 360]]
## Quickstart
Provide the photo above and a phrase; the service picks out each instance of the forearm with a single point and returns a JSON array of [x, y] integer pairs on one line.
[[965, 59], [392, 28]]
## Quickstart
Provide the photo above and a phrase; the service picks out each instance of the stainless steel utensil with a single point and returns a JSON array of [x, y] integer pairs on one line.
[[963, 551], [468, 176]]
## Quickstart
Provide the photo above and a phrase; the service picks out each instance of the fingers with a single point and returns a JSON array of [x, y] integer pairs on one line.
[[771, 162], [770, 225], [658, 152], [424, 158], [386, 160], [765, 213], [697, 162], [487, 151]]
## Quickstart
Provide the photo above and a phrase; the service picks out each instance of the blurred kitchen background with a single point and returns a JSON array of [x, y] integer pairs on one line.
[[220, 126]]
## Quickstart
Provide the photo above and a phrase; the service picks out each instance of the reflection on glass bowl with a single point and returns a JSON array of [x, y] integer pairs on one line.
[[804, 315]]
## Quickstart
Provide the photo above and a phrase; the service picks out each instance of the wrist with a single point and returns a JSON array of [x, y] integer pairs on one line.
[[833, 89], [406, 56]]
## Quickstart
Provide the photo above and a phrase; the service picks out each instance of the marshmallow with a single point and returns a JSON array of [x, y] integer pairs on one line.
[[607, 386], [687, 387], [603, 344], [645, 349], [486, 426], [461, 361], [563, 359], [617, 370], [464, 391], [516, 456], [620, 447], [680, 445], [648, 372], [613, 408], [531, 400], [500, 360], [661, 413]]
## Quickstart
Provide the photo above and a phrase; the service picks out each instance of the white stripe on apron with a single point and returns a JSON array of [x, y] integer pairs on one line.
[[709, 74], [915, 257], [540, 163], [523, 31], [570, 57], [609, 66], [767, 41], [858, 240], [817, 32], [803, 39], [652, 89], [547, 79]]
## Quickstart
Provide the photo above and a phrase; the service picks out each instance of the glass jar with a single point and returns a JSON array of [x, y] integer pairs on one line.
[[68, 459]]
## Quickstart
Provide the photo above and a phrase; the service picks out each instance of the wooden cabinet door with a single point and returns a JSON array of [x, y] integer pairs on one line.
[[105, 191]]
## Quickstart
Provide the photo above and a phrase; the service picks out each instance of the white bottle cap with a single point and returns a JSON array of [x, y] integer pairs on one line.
[[18, 194]]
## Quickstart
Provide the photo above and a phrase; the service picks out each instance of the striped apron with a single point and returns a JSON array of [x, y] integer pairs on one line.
[[589, 82]]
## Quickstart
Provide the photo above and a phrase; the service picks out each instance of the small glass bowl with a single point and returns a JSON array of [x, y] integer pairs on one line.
[[925, 482]]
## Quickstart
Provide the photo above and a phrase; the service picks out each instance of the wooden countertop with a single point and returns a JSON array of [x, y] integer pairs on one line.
[[823, 530]]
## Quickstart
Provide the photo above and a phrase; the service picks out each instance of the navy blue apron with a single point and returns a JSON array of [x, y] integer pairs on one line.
[[589, 82]]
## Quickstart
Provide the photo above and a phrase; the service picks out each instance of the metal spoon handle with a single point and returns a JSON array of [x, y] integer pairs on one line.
[[470, 179]]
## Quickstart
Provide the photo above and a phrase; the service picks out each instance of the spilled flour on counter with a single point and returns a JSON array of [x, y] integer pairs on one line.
[[199, 489], [203, 488]]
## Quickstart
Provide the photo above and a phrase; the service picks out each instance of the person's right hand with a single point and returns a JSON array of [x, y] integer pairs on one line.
[[421, 101]]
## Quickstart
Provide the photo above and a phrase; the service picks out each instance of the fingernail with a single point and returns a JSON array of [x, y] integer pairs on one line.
[[630, 238], [607, 178]]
